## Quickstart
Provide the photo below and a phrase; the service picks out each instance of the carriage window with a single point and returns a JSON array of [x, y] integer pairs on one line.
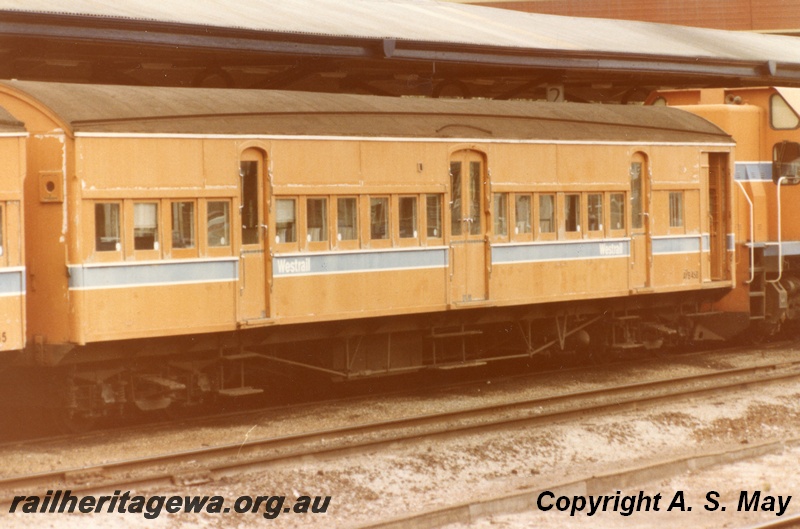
[[1, 230], [572, 213], [617, 211], [317, 219], [379, 218], [475, 181], [183, 224], [408, 217], [219, 224], [286, 221], [145, 226], [346, 219], [522, 211], [434, 215], [595, 204], [636, 194], [547, 213], [106, 227], [676, 209], [501, 213], [248, 171], [455, 206]]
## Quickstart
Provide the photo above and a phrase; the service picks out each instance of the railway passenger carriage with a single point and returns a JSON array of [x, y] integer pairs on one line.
[[176, 234]]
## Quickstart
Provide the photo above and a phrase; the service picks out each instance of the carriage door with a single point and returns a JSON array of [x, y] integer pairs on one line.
[[252, 256], [641, 244], [467, 227], [717, 193]]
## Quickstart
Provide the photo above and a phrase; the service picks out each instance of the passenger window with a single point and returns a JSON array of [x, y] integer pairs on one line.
[[522, 214], [346, 219], [456, 205], [285, 221], [501, 214], [106, 227], [434, 216], [317, 219], [408, 217], [547, 213], [379, 218], [183, 225], [595, 207], [219, 224], [572, 213], [2, 241], [617, 211], [145, 226], [676, 209]]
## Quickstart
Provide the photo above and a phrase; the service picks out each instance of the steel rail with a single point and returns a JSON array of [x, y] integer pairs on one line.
[[202, 465]]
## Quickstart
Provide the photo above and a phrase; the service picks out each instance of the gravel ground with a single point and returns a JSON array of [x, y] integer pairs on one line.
[[435, 473]]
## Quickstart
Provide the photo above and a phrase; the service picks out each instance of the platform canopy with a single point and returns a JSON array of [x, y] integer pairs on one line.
[[394, 47]]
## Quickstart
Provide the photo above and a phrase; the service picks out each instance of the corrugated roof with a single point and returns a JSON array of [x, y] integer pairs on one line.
[[127, 109], [431, 21]]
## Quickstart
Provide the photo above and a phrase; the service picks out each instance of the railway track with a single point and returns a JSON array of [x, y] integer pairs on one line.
[[191, 467]]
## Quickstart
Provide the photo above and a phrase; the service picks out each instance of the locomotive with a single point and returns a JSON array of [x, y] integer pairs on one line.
[[175, 237]]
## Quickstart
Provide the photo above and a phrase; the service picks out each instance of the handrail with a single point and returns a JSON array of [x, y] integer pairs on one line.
[[780, 242], [752, 234]]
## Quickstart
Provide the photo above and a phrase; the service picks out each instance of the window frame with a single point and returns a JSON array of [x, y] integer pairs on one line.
[[147, 253], [681, 227], [437, 240], [500, 224], [517, 234], [221, 250], [317, 245], [601, 231], [408, 241], [387, 241], [551, 235], [612, 230], [117, 253], [347, 244], [576, 233], [183, 252]]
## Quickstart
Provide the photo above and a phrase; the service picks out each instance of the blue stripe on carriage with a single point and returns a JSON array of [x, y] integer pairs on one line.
[[359, 261], [666, 245], [12, 282], [787, 248], [141, 274], [558, 251]]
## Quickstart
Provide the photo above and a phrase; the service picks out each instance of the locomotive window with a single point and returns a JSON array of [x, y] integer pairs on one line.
[[183, 225], [547, 213], [286, 221], [408, 217], [617, 211], [145, 226], [379, 217], [219, 224], [106, 227], [501, 214], [781, 115], [636, 194], [522, 213], [317, 219], [595, 205], [434, 215], [346, 219], [455, 190], [676, 209], [786, 162], [572, 213], [248, 171]]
